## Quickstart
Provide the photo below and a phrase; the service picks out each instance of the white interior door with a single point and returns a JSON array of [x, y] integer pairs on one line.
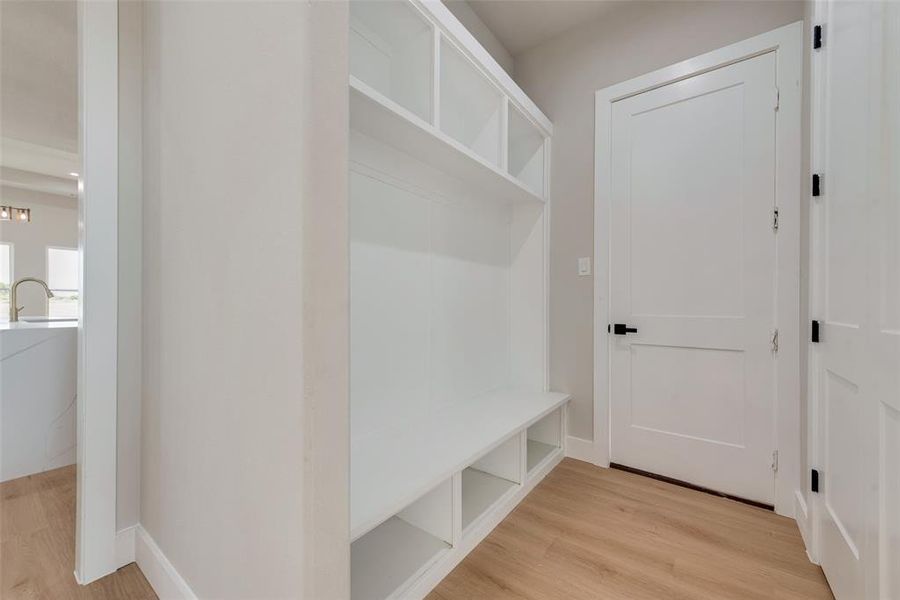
[[857, 298], [692, 269], [840, 381]]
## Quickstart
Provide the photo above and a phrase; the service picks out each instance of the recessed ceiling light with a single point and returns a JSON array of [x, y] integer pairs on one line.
[[73, 174]]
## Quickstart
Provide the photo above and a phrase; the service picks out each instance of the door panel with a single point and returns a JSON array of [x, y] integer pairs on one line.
[[703, 395], [691, 281], [692, 266], [845, 426], [857, 295]]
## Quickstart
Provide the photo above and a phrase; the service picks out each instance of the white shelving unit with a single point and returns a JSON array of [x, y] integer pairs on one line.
[[470, 106], [448, 297]]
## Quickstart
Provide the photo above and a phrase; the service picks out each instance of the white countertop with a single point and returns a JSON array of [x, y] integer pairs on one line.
[[6, 326]]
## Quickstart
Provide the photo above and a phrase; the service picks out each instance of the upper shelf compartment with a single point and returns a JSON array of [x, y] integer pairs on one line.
[[392, 51], [470, 106]]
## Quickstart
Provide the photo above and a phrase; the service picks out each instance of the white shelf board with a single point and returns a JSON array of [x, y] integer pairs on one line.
[[537, 452], [391, 468], [375, 115], [388, 557], [480, 491]]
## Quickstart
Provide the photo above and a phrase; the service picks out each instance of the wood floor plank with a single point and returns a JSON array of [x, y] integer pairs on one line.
[[590, 533], [37, 545]]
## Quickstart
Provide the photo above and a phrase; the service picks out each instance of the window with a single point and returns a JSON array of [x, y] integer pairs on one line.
[[5, 279], [62, 277]]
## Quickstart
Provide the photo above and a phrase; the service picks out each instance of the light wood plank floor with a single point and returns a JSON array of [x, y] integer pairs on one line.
[[584, 533], [37, 544], [591, 533]]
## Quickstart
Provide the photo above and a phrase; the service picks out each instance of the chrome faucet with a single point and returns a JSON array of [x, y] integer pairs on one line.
[[13, 309]]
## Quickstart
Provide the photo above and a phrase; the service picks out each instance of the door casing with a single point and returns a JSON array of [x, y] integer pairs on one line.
[[786, 42], [95, 521]]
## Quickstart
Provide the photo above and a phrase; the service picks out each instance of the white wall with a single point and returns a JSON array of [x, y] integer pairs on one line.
[[38, 67], [244, 352], [54, 222], [462, 11], [561, 76]]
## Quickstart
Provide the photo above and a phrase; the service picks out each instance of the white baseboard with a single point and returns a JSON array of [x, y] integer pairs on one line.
[[581, 449], [125, 546], [124, 551], [804, 523], [160, 573]]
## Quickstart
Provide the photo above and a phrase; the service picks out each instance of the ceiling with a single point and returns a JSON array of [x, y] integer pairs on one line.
[[523, 24], [38, 71]]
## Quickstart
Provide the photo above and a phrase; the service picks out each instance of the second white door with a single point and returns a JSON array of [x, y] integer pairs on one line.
[[692, 270]]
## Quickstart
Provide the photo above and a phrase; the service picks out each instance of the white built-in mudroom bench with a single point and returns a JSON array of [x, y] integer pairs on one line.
[[452, 422]]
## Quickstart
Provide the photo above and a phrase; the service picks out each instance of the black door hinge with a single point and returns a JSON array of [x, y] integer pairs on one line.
[[814, 481], [621, 329], [816, 185], [814, 332], [817, 37]]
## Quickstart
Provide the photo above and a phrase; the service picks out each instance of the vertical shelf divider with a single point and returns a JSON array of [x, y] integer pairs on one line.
[[457, 508], [436, 80]]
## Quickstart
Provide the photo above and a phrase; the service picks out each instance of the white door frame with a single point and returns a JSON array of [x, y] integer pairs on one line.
[[95, 523], [786, 42]]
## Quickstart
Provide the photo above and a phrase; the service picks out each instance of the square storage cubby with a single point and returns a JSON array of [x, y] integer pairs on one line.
[[489, 479], [526, 152], [391, 50], [543, 439], [470, 105], [389, 558]]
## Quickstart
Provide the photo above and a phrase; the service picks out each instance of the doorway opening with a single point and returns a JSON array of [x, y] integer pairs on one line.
[[59, 277], [697, 299]]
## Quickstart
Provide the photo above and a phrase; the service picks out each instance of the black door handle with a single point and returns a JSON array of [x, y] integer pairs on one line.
[[622, 329]]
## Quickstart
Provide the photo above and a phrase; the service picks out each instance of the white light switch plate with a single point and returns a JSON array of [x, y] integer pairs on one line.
[[584, 266]]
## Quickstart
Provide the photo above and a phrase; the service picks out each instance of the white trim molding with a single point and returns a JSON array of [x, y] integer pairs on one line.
[[786, 42], [95, 520], [584, 450], [801, 512], [160, 573]]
